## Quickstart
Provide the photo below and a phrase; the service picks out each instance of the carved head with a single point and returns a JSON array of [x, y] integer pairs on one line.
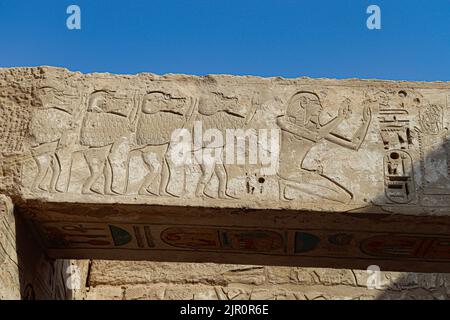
[[305, 108], [98, 101], [382, 98], [154, 102], [49, 97], [207, 106]]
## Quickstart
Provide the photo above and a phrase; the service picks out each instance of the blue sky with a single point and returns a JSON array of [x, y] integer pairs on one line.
[[266, 37]]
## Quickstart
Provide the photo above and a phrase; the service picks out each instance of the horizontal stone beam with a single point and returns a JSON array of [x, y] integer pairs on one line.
[[308, 172]]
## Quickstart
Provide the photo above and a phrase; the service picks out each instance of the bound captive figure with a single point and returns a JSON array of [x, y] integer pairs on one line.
[[220, 115], [300, 131]]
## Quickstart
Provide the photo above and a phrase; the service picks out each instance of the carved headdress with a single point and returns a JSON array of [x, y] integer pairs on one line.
[[302, 106]]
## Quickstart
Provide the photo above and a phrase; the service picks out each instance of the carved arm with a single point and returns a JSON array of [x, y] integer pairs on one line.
[[300, 132], [358, 137]]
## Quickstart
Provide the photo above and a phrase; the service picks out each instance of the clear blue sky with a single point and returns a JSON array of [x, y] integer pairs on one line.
[[315, 38]]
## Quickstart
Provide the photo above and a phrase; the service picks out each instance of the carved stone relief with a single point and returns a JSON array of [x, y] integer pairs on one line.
[[151, 166], [344, 145]]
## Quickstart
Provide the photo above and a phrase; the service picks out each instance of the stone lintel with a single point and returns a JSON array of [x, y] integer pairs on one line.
[[307, 172]]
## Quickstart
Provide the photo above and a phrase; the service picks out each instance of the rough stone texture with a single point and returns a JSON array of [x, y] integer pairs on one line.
[[9, 265], [25, 271], [341, 145], [150, 280], [334, 173]]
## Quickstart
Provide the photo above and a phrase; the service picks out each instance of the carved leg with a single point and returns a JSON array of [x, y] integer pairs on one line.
[[150, 177], [282, 190], [165, 178], [117, 162], [64, 158], [43, 163], [207, 172], [95, 159], [127, 168], [96, 171], [56, 171], [165, 174], [223, 180], [108, 173], [320, 186]]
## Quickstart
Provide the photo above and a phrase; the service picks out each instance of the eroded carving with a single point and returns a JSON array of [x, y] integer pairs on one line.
[[399, 176], [109, 138], [394, 123], [51, 133], [301, 130], [159, 116], [104, 130], [432, 119], [219, 113], [434, 152]]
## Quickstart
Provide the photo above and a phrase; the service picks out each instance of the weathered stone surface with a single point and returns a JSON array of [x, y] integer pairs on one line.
[[25, 272], [339, 140], [9, 265], [271, 171], [187, 281]]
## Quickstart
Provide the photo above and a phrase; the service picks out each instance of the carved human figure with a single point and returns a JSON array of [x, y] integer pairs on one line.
[[217, 114], [432, 119], [159, 116], [50, 138], [103, 131], [301, 129]]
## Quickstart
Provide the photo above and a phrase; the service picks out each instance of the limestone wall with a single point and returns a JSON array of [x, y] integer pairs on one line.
[[149, 280], [25, 271], [9, 265], [309, 173], [225, 169]]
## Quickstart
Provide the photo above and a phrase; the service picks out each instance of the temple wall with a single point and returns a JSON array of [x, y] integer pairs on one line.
[[149, 280], [9, 269], [221, 186], [25, 271]]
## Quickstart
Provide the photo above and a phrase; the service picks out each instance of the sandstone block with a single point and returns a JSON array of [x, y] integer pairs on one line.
[[246, 170]]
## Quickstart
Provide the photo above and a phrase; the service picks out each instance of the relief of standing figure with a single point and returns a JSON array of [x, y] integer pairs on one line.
[[104, 130]]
